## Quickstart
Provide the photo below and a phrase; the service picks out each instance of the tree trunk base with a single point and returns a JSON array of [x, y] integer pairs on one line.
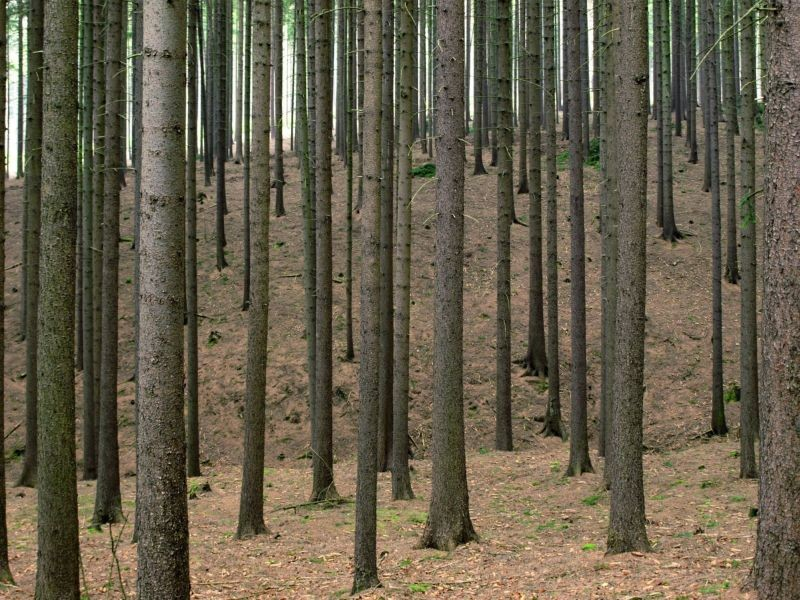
[[327, 493], [628, 541], [248, 530], [447, 536], [364, 581], [553, 428]]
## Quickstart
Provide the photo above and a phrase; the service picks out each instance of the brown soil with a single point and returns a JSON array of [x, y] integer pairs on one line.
[[541, 534]]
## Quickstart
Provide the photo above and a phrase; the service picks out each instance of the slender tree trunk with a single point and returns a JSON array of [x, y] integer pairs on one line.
[[192, 399], [5, 569], [505, 189], [206, 93], [322, 447], [669, 229], [108, 501], [626, 529], [677, 65], [579, 443], [662, 126], [277, 99], [777, 561], [98, 190], [386, 374], [401, 477], [718, 425], [57, 499], [33, 182], [691, 79], [449, 522], [584, 81], [423, 70], [251, 503], [480, 75], [89, 425], [729, 102], [239, 121], [525, 74], [248, 43], [552, 418], [221, 131], [366, 564], [21, 11], [350, 138], [536, 357], [161, 460], [749, 319]]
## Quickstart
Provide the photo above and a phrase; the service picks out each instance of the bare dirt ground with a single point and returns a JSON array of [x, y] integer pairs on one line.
[[542, 535]]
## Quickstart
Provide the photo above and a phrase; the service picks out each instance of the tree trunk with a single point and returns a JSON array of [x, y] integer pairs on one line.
[[33, 182], [677, 66], [366, 564], [480, 75], [749, 319], [505, 189], [108, 501], [729, 101], [386, 375], [21, 89], [322, 447], [449, 523], [221, 130], [5, 569], [401, 477], [89, 410], [626, 529], [192, 366], [277, 99], [161, 460], [579, 443], [691, 79], [525, 74], [239, 121], [58, 556], [718, 426], [251, 503], [669, 231], [552, 418], [777, 560], [536, 357]]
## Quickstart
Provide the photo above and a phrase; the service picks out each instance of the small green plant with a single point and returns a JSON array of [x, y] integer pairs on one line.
[[591, 500], [555, 467], [562, 160], [593, 158], [708, 483], [406, 562], [589, 547], [427, 171], [732, 393], [542, 386], [738, 498], [483, 450], [734, 454], [419, 588]]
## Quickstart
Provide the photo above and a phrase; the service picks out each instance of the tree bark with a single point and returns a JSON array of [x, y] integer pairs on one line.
[[777, 560], [222, 145], [366, 560], [108, 500], [729, 102], [57, 499], [277, 99], [449, 522], [748, 345], [401, 477], [163, 532], [480, 75], [579, 443], [251, 503], [626, 529], [322, 447]]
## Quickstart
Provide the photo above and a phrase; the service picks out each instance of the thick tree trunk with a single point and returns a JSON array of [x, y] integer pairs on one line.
[[777, 560], [449, 522], [626, 529], [251, 503], [161, 460], [366, 560], [57, 499]]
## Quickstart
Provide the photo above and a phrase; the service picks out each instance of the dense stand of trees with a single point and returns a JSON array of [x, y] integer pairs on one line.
[[369, 80]]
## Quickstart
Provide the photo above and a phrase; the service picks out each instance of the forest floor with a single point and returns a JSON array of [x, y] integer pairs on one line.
[[539, 535]]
